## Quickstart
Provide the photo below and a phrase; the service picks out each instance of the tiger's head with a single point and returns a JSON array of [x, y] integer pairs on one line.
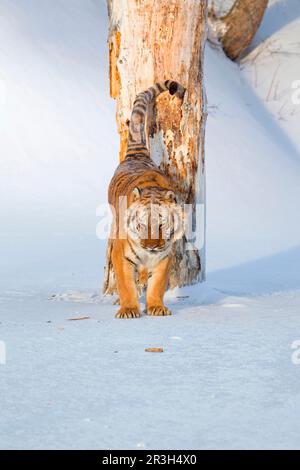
[[154, 219]]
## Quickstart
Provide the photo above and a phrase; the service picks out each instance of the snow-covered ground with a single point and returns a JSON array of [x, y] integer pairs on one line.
[[228, 376]]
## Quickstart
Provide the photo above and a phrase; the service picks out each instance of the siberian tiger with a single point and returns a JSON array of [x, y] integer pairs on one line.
[[144, 233]]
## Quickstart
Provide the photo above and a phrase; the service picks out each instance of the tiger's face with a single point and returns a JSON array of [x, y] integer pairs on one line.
[[154, 219]]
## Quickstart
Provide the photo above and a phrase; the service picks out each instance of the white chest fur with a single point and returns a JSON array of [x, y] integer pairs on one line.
[[147, 258]]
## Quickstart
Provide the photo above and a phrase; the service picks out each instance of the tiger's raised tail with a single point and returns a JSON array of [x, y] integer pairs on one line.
[[136, 143]]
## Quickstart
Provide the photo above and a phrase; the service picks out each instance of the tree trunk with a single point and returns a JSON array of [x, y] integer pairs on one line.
[[237, 28], [151, 41]]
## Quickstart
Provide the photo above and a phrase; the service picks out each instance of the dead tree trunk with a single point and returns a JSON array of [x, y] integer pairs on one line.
[[148, 42], [237, 28]]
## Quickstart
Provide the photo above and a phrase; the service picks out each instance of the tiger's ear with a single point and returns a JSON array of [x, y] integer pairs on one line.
[[170, 196], [136, 193]]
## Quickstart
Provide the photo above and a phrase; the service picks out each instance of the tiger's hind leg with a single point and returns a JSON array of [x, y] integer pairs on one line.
[[157, 285], [127, 290]]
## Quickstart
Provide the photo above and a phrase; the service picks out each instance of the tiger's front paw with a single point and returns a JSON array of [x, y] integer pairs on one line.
[[158, 311], [128, 312]]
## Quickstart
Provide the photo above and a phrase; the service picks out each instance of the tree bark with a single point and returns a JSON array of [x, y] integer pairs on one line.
[[237, 28], [151, 41]]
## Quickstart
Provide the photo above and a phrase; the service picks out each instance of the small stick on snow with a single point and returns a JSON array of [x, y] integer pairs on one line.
[[154, 350], [78, 318]]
